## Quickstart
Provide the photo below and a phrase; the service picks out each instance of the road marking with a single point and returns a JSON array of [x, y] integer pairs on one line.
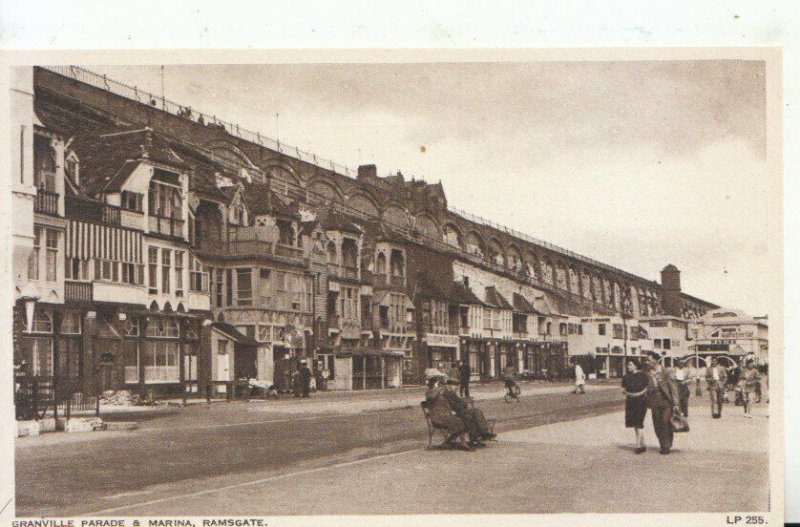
[[248, 483]]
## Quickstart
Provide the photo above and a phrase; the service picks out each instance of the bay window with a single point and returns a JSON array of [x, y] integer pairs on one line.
[[33, 259], [152, 269], [244, 287], [178, 273], [166, 257], [52, 255]]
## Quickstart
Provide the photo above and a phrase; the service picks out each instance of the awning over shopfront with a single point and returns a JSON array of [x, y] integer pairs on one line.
[[369, 352], [234, 334]]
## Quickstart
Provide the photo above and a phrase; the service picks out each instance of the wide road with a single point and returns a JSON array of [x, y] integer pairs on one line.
[[200, 448]]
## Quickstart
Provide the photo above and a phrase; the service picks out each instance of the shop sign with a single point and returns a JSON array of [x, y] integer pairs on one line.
[[450, 341]]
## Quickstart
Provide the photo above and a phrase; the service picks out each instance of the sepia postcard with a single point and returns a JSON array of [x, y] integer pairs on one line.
[[393, 287]]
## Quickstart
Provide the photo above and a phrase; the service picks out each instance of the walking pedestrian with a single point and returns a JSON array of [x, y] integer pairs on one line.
[[580, 378], [662, 399], [464, 374], [749, 380], [634, 386], [683, 378], [716, 377]]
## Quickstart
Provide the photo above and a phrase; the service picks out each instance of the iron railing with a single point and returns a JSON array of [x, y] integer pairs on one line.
[[46, 202], [578, 303], [77, 291]]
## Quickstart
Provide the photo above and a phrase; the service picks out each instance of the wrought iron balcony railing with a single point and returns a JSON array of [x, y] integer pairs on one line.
[[46, 202]]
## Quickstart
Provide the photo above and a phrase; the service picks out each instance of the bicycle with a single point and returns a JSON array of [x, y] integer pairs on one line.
[[513, 391]]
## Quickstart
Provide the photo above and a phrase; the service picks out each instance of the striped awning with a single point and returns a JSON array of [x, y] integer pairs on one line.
[[105, 242]]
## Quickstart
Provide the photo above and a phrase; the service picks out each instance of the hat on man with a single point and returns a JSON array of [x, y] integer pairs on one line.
[[303, 361]]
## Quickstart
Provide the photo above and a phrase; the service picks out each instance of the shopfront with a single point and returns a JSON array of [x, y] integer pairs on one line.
[[443, 351], [376, 369]]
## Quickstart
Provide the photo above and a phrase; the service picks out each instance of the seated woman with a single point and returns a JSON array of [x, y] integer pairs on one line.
[[442, 416], [473, 418]]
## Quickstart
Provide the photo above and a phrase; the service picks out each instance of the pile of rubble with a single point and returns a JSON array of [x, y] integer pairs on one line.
[[124, 398]]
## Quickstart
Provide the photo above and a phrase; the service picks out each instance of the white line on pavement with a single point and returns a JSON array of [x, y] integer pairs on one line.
[[248, 483]]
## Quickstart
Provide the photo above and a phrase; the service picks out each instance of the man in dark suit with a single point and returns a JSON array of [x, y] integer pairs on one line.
[[464, 374], [305, 377], [662, 399], [717, 378]]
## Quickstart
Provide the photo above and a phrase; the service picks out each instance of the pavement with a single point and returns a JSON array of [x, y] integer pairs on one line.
[[212, 447], [578, 466]]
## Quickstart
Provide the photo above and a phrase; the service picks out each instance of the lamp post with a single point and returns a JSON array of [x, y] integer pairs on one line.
[[624, 342]]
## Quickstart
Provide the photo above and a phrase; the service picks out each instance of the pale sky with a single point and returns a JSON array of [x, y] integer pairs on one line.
[[636, 164]]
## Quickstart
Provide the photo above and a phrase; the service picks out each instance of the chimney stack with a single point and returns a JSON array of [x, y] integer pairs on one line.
[[367, 172], [671, 291]]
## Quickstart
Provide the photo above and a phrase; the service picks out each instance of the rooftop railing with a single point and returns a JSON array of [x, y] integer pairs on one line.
[[132, 92]]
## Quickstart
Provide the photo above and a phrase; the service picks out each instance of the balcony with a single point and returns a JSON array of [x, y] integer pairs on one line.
[[390, 280], [77, 291], [236, 248], [287, 251], [172, 227], [520, 335], [343, 271], [46, 202], [92, 211]]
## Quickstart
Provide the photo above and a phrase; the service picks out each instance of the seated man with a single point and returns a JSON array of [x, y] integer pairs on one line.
[[473, 418], [444, 417]]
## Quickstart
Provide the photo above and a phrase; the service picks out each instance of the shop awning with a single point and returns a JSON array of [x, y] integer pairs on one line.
[[234, 334], [369, 352]]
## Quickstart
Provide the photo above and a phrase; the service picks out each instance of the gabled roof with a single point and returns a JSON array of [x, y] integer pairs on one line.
[[522, 305], [496, 300], [461, 294], [332, 220], [261, 199], [430, 289], [107, 160]]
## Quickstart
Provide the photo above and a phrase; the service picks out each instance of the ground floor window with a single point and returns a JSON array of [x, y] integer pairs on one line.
[[131, 361], [69, 358], [474, 361], [38, 354], [161, 361]]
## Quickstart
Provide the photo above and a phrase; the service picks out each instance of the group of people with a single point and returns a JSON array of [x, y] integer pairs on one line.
[[665, 392], [455, 415]]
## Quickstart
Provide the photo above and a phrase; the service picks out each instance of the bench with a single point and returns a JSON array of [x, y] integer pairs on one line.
[[433, 428]]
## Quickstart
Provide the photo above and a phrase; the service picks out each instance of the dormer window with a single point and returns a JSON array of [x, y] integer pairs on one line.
[[165, 204], [133, 201], [165, 199]]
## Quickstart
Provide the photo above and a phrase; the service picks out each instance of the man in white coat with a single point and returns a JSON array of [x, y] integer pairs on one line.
[[580, 378]]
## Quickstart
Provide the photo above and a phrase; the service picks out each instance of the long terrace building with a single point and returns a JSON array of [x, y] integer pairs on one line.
[[164, 223]]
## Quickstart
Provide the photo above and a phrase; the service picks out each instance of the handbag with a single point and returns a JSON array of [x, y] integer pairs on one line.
[[679, 423]]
